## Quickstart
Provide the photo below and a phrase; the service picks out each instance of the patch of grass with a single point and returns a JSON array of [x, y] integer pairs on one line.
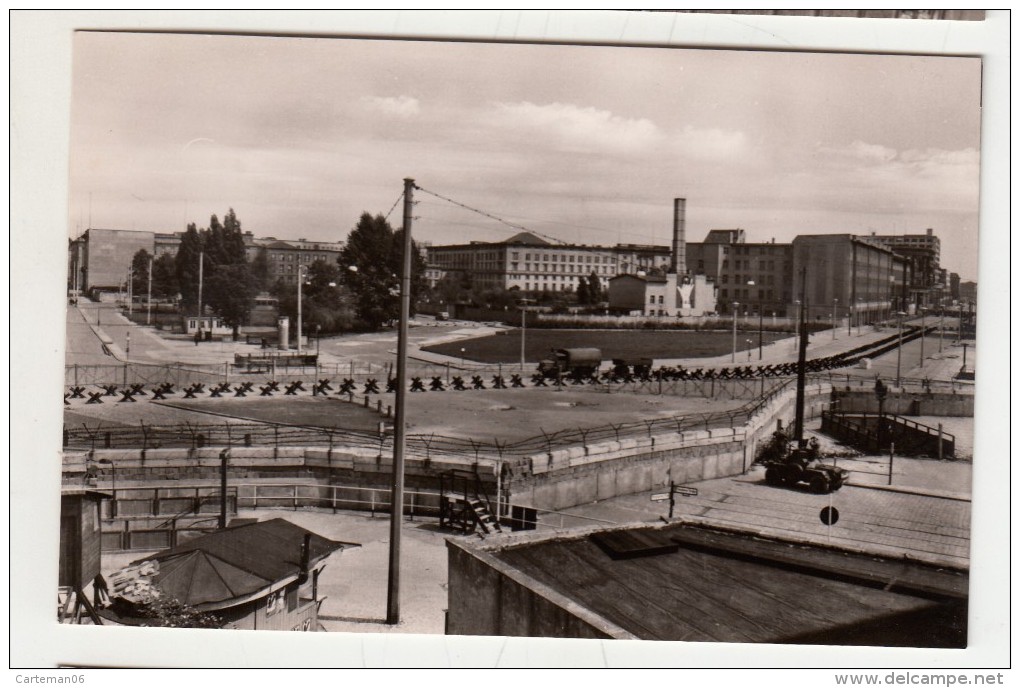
[[506, 348]]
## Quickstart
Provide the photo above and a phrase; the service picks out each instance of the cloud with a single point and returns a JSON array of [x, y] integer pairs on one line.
[[709, 144], [403, 107], [571, 128]]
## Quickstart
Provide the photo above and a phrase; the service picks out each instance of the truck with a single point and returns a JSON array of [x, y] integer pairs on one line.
[[582, 362]]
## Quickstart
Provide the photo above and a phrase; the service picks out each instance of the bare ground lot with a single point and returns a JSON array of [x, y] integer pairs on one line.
[[506, 348], [508, 415]]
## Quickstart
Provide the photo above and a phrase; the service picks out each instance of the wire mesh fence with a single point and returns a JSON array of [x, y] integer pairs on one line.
[[242, 434]]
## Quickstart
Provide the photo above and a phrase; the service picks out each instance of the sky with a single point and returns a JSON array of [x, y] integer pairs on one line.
[[586, 144]]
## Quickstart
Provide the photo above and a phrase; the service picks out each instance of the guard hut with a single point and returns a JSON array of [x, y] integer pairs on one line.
[[206, 324], [80, 555], [254, 576]]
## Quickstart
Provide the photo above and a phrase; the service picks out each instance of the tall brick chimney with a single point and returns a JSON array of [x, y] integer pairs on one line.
[[678, 257]]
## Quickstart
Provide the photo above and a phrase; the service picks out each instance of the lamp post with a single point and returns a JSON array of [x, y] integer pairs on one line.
[[859, 316], [923, 309], [942, 325], [733, 359], [761, 324], [148, 297], [524, 327], [899, 347], [835, 303], [749, 345], [300, 279]]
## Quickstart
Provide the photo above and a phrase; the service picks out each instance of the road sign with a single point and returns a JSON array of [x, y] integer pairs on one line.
[[829, 515], [685, 491], [661, 497]]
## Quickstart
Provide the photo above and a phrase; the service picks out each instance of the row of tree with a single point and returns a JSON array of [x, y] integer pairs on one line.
[[360, 291]]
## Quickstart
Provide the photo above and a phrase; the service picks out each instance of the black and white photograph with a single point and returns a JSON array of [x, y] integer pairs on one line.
[[416, 338]]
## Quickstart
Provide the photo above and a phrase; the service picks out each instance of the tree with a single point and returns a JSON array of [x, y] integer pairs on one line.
[[325, 303], [186, 263], [231, 290], [374, 251], [140, 272], [164, 278], [260, 269], [595, 293], [583, 294]]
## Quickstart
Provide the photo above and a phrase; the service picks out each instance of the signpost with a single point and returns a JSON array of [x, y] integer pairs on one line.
[[674, 489]]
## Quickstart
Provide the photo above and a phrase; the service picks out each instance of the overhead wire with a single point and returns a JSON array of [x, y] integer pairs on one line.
[[483, 213]]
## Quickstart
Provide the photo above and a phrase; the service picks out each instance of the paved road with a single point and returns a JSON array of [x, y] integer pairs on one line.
[[890, 522]]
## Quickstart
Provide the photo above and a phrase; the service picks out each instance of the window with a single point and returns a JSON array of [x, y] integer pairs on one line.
[[723, 293], [660, 299], [651, 299]]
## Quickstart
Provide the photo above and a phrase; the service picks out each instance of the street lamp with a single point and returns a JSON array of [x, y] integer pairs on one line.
[[300, 279], [524, 326], [749, 345], [761, 324], [923, 309], [734, 357], [942, 325], [835, 303], [899, 347]]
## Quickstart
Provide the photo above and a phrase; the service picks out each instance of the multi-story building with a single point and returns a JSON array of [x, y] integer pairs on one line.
[[632, 259], [100, 259], [525, 262], [927, 285], [755, 276], [847, 276], [286, 257]]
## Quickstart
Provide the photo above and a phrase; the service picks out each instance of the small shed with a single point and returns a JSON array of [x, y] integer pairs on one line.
[[80, 552], [206, 323], [253, 576]]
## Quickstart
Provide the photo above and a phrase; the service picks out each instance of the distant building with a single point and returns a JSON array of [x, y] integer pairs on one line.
[[525, 262], [100, 259], [286, 257], [848, 275], [923, 251], [667, 295]]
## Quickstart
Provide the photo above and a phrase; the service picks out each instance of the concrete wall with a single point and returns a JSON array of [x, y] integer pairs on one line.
[[495, 599], [907, 404], [580, 475]]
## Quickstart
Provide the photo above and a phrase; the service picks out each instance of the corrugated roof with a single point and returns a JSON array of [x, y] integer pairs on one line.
[[237, 562]]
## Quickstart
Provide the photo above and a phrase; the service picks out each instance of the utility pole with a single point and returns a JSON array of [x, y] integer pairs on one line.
[[148, 297], [798, 426], [201, 262], [399, 429], [300, 279]]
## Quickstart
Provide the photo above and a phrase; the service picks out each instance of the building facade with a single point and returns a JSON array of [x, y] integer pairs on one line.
[[286, 259], [100, 259], [928, 281], [525, 262], [848, 276]]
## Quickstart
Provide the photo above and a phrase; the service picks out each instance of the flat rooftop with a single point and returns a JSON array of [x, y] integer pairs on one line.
[[683, 582]]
